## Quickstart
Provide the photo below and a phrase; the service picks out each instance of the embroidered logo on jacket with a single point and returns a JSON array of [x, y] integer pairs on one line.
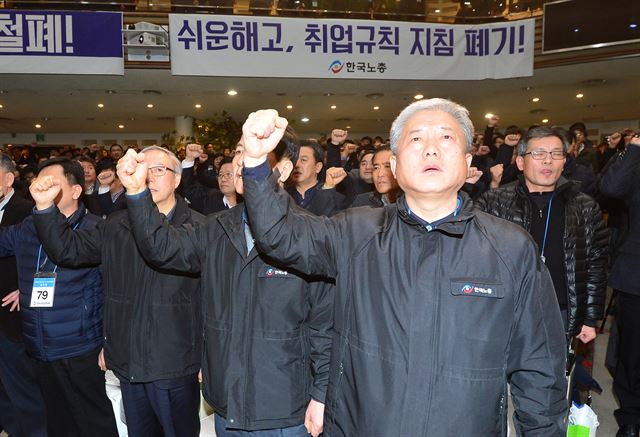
[[474, 289]]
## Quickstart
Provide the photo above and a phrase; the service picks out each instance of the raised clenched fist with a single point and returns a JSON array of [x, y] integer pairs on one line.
[[193, 152], [261, 133], [44, 190], [338, 136], [132, 171]]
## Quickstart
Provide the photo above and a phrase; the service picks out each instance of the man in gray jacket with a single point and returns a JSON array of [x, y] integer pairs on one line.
[[433, 319]]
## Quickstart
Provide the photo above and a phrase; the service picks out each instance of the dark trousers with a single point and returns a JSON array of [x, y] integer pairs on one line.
[[167, 407], [21, 406], [291, 431], [626, 381], [75, 398]]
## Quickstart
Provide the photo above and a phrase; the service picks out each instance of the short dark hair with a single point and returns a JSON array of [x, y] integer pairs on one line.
[[513, 130], [83, 158], [543, 132], [578, 126], [226, 160], [116, 145], [381, 149], [106, 164], [318, 151], [288, 147], [363, 151], [72, 170]]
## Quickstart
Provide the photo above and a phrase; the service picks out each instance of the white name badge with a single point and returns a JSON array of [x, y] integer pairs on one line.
[[44, 286]]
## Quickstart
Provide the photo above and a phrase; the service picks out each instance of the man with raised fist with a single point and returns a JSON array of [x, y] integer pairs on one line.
[[266, 327], [152, 324], [433, 319], [61, 314]]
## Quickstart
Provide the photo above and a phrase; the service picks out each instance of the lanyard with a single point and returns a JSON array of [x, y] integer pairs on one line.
[[546, 228], [40, 266]]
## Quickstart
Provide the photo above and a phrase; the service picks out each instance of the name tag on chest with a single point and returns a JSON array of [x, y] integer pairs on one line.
[[44, 287]]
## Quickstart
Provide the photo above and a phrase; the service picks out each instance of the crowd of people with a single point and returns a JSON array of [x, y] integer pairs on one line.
[[337, 286]]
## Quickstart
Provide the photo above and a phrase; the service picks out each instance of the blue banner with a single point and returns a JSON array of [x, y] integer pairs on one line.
[[61, 42]]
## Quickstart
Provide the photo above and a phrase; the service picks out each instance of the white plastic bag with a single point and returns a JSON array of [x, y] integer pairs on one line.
[[583, 422]]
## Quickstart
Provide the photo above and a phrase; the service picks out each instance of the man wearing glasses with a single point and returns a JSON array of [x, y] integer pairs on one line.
[[567, 226], [152, 322], [204, 199]]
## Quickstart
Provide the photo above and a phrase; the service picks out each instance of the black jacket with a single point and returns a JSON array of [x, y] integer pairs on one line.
[[428, 326], [16, 209], [267, 340], [152, 316], [205, 200], [585, 244], [622, 181]]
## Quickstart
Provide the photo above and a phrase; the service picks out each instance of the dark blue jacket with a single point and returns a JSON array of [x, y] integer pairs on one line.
[[73, 326]]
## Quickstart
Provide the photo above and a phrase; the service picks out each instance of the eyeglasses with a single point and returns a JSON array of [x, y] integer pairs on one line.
[[542, 154], [159, 170], [228, 175]]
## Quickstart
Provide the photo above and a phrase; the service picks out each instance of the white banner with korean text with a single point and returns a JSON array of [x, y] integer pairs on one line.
[[218, 45]]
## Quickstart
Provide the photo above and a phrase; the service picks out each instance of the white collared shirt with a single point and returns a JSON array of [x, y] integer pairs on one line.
[[4, 202]]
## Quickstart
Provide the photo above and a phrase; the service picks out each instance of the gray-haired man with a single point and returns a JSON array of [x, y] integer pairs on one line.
[[438, 307]]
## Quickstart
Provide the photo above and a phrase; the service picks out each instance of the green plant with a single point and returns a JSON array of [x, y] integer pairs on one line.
[[220, 130]]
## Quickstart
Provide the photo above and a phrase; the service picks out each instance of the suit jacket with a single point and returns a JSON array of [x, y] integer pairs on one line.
[[14, 212]]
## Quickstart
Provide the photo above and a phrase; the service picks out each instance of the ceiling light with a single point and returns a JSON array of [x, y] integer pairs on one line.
[[418, 96], [38, 126], [232, 92], [199, 126], [633, 25], [110, 92], [333, 106], [100, 105], [304, 119], [198, 106], [535, 99], [347, 127], [1, 106], [545, 120], [437, 11], [149, 105], [488, 115], [579, 96], [375, 108], [289, 106], [121, 126], [576, 30]]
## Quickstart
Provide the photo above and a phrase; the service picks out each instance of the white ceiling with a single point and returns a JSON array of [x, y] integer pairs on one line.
[[68, 103]]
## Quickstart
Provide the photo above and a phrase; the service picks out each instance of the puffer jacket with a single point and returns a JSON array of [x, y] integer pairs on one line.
[[73, 326], [152, 316], [431, 323], [585, 244]]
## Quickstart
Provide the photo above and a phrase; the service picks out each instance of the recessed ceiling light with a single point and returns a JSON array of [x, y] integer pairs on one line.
[[535, 99], [488, 115], [198, 106], [100, 105], [38, 126], [1, 106], [232, 92], [576, 30], [545, 120], [199, 126], [289, 106], [333, 106], [347, 127], [633, 25], [418, 96], [121, 126], [579, 96], [375, 108], [304, 119], [437, 11], [149, 105]]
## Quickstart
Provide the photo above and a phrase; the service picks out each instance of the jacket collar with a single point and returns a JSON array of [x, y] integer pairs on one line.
[[564, 187], [232, 223], [453, 224]]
